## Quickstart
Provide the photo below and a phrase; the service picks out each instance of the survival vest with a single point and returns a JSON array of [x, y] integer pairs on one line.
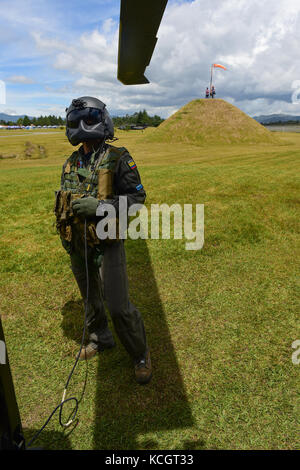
[[96, 180]]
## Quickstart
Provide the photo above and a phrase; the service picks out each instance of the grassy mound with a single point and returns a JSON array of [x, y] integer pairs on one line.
[[216, 122]]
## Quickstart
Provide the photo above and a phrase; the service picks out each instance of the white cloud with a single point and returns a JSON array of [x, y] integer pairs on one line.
[[19, 79], [108, 26], [258, 41], [48, 45]]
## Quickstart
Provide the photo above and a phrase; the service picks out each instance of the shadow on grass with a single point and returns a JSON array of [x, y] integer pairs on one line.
[[48, 440], [125, 411], [73, 314]]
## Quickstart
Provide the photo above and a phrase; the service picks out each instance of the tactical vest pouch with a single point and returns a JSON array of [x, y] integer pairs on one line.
[[63, 212], [65, 218], [91, 235], [105, 191], [105, 184]]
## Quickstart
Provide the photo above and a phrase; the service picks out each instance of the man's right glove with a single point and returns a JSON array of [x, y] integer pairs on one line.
[[85, 207]]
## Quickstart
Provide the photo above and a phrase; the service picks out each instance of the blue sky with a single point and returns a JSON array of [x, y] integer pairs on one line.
[[27, 69], [54, 51]]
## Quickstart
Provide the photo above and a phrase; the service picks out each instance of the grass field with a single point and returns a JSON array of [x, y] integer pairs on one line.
[[220, 321]]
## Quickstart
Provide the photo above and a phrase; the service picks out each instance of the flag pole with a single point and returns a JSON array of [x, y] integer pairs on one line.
[[211, 77]]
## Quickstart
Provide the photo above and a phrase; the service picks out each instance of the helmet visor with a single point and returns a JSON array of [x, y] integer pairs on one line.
[[89, 116]]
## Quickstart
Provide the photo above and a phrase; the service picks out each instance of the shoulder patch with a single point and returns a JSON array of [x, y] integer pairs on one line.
[[139, 187], [131, 164]]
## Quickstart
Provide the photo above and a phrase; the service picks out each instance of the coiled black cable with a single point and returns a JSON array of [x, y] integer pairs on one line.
[[64, 399]]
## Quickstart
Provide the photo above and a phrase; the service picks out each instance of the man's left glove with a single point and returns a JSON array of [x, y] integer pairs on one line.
[[85, 207]]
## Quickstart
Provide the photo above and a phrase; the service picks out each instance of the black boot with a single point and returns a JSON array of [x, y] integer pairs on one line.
[[143, 369]]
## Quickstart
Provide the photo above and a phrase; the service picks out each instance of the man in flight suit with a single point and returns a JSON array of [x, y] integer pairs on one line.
[[94, 174]]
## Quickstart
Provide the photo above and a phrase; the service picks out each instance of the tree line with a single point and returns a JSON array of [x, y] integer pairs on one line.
[[139, 118], [282, 123], [50, 120]]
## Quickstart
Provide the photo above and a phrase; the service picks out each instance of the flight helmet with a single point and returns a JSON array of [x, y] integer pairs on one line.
[[88, 119]]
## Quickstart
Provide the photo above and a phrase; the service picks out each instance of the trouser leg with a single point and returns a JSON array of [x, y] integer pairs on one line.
[[99, 334], [126, 317]]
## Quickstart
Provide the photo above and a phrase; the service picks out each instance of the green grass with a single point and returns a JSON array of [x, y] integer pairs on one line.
[[220, 321]]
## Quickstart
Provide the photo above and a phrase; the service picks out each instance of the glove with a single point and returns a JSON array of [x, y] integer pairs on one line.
[[85, 207]]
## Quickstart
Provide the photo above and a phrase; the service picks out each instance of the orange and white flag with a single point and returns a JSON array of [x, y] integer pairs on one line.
[[220, 66]]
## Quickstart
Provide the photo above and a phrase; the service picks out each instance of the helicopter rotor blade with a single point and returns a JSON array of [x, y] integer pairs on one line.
[[139, 23]]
